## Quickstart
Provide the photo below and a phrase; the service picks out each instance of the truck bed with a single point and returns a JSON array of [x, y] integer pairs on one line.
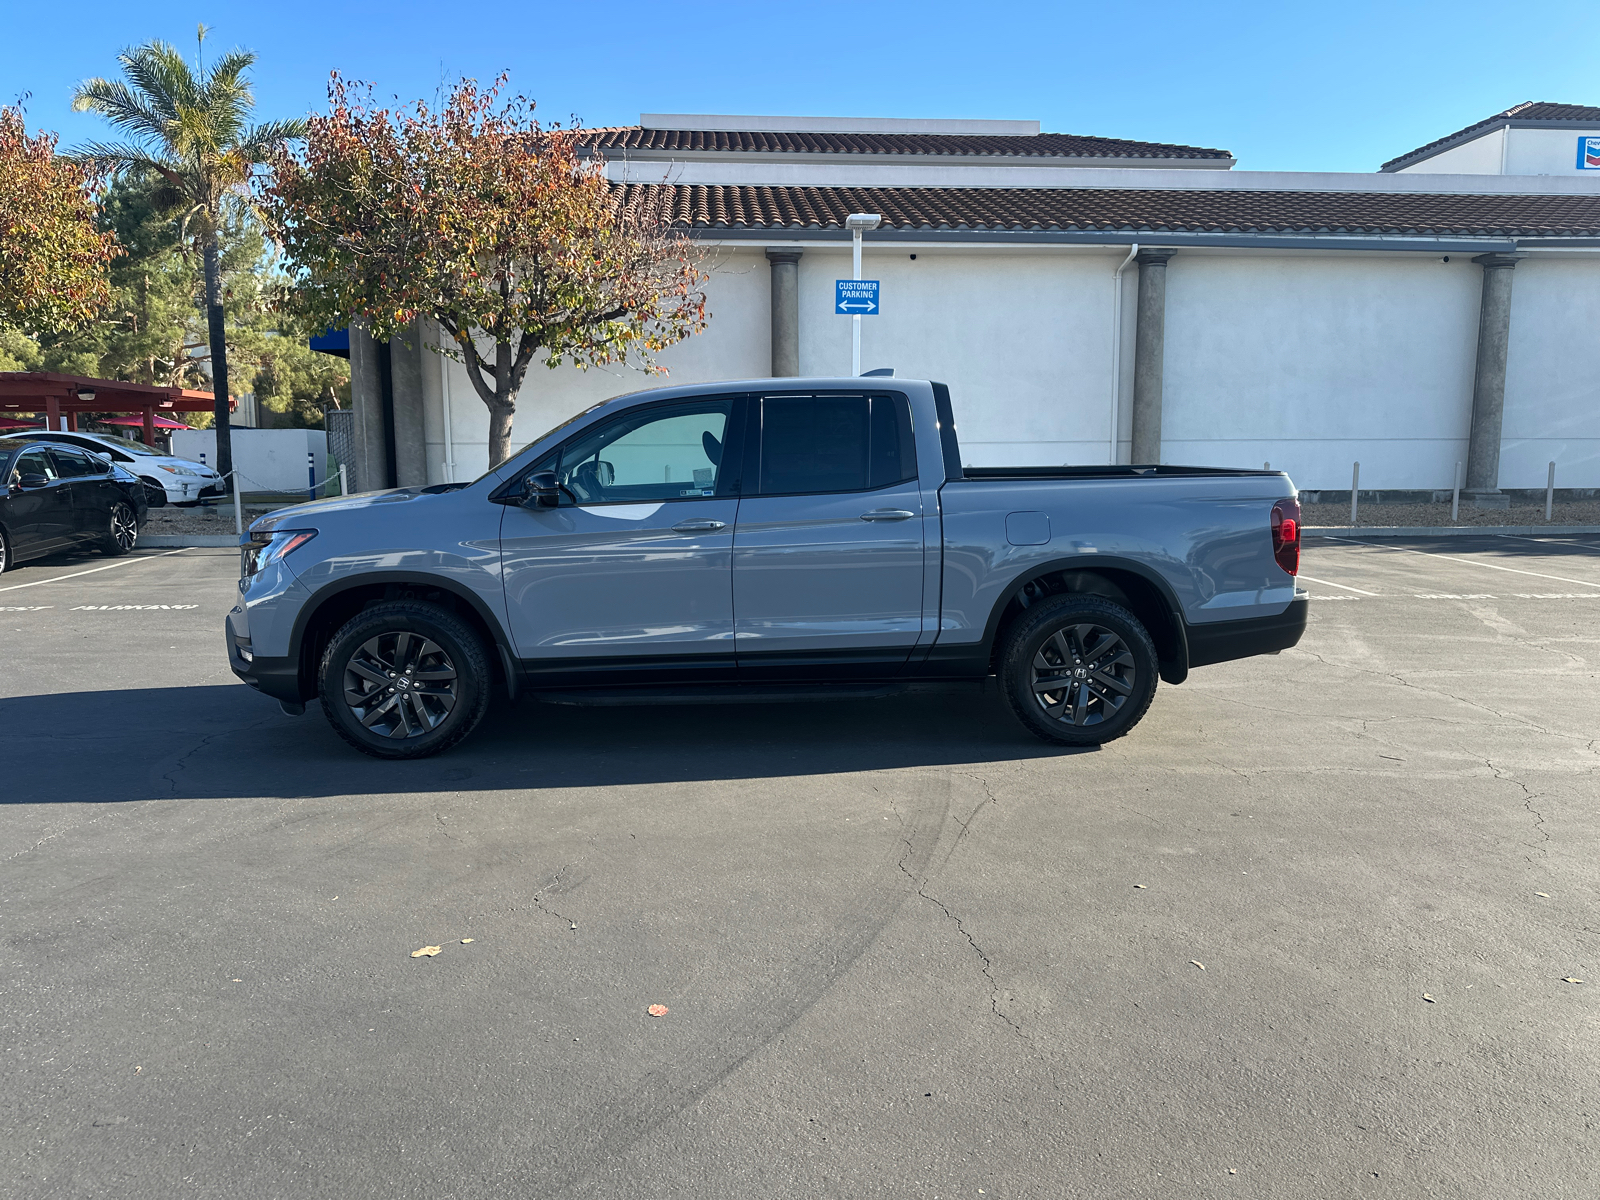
[[1102, 471]]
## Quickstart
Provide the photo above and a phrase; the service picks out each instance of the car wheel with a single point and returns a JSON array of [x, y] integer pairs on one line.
[[123, 534], [404, 679], [1078, 670], [5, 553]]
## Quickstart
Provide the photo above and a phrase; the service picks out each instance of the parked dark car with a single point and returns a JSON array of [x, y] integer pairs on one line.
[[60, 497]]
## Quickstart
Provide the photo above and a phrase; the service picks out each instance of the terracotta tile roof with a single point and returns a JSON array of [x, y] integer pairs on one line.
[[1138, 210], [1528, 110], [1043, 145]]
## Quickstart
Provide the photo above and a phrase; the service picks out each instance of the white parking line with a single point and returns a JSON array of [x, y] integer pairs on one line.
[[1331, 583], [1558, 541], [1470, 563], [127, 562]]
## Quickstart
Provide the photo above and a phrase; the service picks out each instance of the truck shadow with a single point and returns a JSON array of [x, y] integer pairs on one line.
[[227, 742]]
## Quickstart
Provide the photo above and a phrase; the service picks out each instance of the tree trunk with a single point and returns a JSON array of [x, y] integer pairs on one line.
[[500, 414], [219, 356]]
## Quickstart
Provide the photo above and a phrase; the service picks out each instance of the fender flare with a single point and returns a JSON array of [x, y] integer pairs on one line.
[[1174, 670], [330, 590]]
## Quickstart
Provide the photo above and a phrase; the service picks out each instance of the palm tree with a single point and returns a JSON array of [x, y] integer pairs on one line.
[[190, 127]]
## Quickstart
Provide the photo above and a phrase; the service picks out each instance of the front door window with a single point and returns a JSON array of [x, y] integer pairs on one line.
[[668, 453]]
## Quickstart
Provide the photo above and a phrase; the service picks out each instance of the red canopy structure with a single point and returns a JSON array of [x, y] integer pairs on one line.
[[11, 423], [159, 422], [60, 398]]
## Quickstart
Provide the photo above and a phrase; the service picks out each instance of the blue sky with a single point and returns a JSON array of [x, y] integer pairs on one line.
[[1284, 86]]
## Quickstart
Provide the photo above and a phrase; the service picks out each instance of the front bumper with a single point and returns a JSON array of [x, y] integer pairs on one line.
[[275, 677]]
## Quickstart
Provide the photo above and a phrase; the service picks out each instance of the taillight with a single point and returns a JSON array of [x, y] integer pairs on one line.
[[1286, 535]]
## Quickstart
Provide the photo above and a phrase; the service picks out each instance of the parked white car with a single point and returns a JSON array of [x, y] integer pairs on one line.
[[183, 480]]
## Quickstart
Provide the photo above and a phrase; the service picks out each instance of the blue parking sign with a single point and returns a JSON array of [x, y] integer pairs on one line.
[[855, 297]]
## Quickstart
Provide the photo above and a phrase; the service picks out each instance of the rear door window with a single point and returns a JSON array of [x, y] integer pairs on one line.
[[822, 444], [75, 464]]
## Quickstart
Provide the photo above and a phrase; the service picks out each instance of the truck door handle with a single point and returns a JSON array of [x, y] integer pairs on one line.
[[699, 525], [887, 514]]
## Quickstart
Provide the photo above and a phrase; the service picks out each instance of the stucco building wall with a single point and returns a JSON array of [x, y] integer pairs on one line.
[[1309, 361]]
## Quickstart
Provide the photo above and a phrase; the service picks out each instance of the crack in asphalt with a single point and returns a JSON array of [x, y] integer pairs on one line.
[[1511, 719], [987, 968], [1528, 797], [60, 833], [445, 829], [182, 762], [555, 885]]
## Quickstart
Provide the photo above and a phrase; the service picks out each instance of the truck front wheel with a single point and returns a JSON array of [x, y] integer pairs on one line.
[[1078, 670], [404, 679]]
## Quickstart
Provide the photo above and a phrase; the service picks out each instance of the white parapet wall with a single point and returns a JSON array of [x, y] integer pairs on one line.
[[268, 460]]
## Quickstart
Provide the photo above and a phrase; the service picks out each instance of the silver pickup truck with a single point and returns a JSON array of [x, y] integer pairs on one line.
[[773, 538]]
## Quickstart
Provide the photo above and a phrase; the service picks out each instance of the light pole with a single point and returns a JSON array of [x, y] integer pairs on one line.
[[857, 224]]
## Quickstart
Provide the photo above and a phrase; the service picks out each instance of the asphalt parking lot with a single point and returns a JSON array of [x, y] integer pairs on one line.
[[1310, 930]]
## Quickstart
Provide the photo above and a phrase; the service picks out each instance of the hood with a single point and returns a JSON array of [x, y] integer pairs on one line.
[[313, 511]]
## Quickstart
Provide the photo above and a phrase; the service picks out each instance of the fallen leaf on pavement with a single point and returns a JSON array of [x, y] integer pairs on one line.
[[657, 1010], [1197, 963], [1570, 979], [467, 941], [1429, 998], [1546, 895], [1140, 886], [426, 952]]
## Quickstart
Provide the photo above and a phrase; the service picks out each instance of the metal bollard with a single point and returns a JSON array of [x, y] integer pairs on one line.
[[311, 475], [344, 481], [1355, 488], [1550, 495], [1455, 497], [238, 508]]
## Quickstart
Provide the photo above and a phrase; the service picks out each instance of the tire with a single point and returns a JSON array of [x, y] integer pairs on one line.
[[1064, 638], [5, 553], [123, 534], [381, 643]]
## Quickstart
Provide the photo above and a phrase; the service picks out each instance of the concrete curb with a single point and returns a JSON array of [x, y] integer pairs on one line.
[[1397, 531], [168, 541]]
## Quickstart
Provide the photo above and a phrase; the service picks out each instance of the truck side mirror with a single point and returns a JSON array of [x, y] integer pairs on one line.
[[542, 490]]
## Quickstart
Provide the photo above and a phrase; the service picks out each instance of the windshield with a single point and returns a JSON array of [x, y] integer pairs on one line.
[[128, 445]]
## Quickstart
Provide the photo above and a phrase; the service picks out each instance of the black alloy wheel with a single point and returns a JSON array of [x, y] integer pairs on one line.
[[1078, 670], [5, 553], [404, 679], [123, 535]]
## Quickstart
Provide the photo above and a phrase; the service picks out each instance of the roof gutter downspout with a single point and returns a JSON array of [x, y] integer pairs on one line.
[[1116, 350]]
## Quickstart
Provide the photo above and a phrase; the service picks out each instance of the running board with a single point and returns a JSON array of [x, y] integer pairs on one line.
[[727, 693]]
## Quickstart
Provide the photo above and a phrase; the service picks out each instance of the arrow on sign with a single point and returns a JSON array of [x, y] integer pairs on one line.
[[865, 304]]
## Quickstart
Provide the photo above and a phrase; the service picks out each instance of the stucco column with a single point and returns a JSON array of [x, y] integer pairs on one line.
[[366, 398], [785, 262], [410, 444], [1149, 348], [1489, 381]]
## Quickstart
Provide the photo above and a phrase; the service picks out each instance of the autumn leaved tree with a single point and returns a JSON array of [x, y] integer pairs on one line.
[[490, 224], [53, 255]]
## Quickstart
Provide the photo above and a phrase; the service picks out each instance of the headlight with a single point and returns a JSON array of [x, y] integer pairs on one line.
[[177, 470], [269, 545]]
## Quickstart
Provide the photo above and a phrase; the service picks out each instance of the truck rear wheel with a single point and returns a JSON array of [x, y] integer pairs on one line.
[[404, 679], [1078, 670]]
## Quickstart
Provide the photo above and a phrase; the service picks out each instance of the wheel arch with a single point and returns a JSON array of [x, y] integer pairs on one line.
[[1124, 581], [335, 603]]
